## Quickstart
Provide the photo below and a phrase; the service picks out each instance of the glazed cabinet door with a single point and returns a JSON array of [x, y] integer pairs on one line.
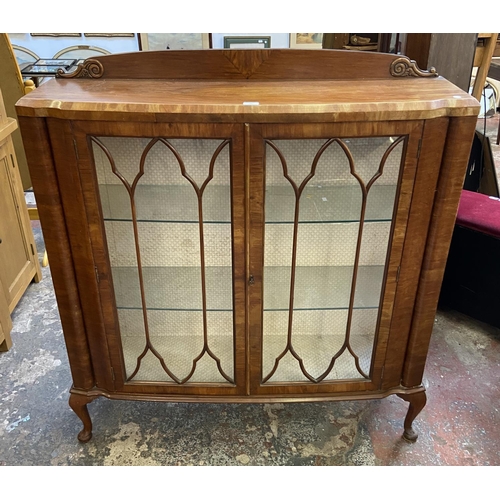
[[329, 206], [164, 205]]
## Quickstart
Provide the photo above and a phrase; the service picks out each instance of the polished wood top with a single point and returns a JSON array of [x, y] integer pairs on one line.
[[247, 88]]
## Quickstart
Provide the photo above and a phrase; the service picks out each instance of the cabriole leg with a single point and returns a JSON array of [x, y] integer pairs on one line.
[[417, 401], [78, 404]]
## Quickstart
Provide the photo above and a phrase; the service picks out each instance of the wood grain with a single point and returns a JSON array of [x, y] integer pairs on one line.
[[296, 397], [292, 94], [483, 65], [222, 101], [16, 269], [45, 184], [256, 238], [66, 164], [101, 309], [450, 53], [18, 256], [5, 322], [261, 64], [433, 137], [444, 212]]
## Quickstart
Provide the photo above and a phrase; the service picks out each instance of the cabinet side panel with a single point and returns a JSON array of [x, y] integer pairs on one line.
[[45, 185], [453, 167], [71, 189], [5, 322], [433, 139]]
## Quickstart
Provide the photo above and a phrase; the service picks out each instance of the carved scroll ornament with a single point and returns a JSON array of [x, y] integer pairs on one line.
[[403, 66], [88, 69]]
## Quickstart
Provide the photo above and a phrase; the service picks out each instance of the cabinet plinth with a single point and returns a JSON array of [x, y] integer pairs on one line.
[[238, 231]]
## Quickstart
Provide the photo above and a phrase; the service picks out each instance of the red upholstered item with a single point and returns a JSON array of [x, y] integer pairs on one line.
[[480, 213]]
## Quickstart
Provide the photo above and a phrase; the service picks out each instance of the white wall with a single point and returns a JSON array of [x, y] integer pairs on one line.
[[46, 47]]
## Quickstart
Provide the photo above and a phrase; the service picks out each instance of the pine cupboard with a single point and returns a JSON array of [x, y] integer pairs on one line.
[[19, 264], [247, 225]]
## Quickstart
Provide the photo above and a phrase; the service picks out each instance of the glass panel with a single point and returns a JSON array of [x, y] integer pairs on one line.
[[328, 211], [170, 263]]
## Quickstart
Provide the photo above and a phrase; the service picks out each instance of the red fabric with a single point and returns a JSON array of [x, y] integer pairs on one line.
[[479, 212]]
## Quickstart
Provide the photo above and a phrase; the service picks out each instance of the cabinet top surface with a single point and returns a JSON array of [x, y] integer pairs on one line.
[[158, 87]]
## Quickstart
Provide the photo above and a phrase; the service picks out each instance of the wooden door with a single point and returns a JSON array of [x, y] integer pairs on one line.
[[164, 209], [18, 258], [5, 322], [329, 206]]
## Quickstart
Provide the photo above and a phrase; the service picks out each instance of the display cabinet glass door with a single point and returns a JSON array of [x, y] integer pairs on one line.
[[167, 216], [329, 207]]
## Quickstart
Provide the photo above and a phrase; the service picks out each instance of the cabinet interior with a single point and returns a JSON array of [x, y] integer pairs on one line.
[[166, 206]]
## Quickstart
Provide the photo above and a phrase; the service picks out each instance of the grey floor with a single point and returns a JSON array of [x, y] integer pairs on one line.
[[459, 425]]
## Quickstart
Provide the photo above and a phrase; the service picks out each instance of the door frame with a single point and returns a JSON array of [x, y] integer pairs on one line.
[[87, 235], [255, 137]]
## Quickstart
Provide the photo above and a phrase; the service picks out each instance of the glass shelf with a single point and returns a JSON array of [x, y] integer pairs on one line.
[[341, 203], [179, 288], [166, 203], [318, 204]]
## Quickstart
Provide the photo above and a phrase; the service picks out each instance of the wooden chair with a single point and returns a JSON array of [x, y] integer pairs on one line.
[[494, 73], [13, 88], [482, 59]]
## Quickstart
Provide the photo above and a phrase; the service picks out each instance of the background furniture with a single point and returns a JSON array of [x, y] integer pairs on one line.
[[18, 257], [472, 276], [247, 42], [40, 69], [5, 322], [379, 42], [13, 88], [222, 228], [482, 61], [494, 72], [452, 54]]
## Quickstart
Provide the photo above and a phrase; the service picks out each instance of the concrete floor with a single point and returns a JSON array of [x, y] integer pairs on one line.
[[459, 425]]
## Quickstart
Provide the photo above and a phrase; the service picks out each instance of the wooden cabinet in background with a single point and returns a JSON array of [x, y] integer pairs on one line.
[[18, 257], [375, 42], [247, 225], [452, 54], [5, 322]]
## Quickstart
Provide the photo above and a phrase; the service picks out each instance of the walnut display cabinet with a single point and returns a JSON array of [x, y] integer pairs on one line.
[[247, 225]]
